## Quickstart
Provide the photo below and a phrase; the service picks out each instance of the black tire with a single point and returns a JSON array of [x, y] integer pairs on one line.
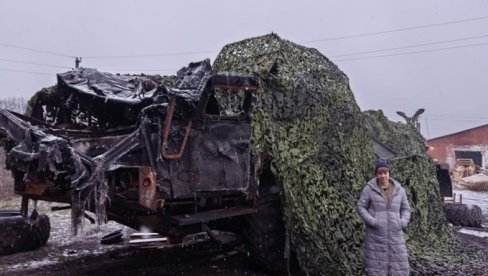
[[18, 234], [265, 231], [464, 215]]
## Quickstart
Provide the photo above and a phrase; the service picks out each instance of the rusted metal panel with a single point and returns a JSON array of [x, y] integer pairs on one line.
[[147, 188], [35, 186]]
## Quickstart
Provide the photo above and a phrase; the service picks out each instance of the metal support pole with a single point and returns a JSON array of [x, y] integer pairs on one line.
[[24, 207]]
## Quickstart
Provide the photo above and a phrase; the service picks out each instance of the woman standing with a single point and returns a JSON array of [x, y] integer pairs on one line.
[[384, 208]]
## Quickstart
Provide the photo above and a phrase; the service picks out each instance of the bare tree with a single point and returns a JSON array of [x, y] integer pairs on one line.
[[17, 104]]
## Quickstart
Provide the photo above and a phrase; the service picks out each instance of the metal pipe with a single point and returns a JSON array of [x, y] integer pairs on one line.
[[167, 127]]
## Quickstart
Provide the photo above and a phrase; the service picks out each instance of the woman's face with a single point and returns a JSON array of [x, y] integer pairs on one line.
[[383, 176]]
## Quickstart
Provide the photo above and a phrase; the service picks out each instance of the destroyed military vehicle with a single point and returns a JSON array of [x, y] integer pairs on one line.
[[211, 149], [173, 155]]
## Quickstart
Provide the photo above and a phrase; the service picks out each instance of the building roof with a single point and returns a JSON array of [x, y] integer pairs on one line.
[[457, 133]]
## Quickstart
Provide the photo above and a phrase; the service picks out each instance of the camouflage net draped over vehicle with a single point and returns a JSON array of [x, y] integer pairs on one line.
[[415, 171], [309, 126]]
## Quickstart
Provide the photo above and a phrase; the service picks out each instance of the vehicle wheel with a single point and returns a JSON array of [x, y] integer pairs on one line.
[[265, 231], [18, 234], [464, 215]]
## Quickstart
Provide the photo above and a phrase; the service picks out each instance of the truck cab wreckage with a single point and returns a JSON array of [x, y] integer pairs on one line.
[[133, 150]]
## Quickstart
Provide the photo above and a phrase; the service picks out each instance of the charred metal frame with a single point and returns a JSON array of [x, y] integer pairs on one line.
[[167, 126], [173, 184]]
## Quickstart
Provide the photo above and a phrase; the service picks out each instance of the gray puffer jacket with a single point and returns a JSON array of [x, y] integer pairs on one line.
[[384, 246]]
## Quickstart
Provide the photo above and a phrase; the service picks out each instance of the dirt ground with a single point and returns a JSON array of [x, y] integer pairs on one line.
[[124, 260], [84, 255]]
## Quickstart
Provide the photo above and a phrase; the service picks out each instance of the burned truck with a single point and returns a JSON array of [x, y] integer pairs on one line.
[[172, 155]]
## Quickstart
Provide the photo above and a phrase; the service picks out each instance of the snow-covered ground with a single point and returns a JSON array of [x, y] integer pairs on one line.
[[62, 245], [481, 234]]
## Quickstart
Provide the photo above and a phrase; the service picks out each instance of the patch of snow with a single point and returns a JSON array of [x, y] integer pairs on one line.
[[34, 264], [62, 245], [480, 234]]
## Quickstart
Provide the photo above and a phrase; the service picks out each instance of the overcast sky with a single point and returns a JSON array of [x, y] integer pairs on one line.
[[419, 54]]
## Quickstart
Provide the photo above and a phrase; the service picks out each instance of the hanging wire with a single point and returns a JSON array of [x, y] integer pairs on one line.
[[36, 50], [33, 63], [397, 30]]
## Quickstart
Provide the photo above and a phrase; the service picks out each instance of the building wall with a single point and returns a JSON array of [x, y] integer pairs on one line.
[[475, 139]]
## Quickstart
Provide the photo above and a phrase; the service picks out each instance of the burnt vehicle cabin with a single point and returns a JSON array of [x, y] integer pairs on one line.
[[164, 153]]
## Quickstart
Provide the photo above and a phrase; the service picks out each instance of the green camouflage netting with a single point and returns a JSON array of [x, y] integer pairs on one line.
[[309, 126], [38, 96], [414, 169], [402, 138], [430, 240], [308, 123]]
